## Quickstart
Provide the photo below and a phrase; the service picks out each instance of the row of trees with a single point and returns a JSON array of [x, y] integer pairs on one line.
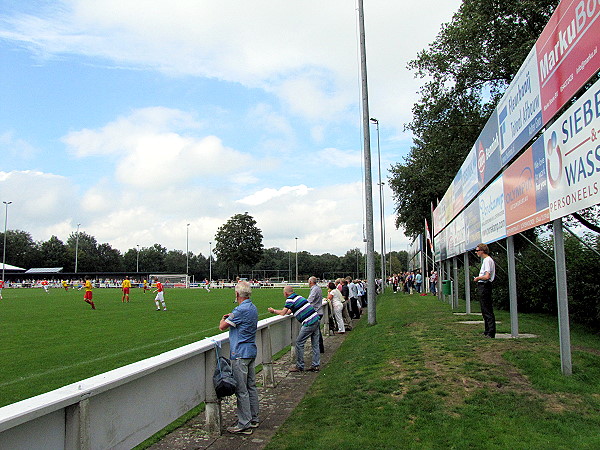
[[23, 251]]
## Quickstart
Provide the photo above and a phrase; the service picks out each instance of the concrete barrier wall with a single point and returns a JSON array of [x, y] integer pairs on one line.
[[123, 407]]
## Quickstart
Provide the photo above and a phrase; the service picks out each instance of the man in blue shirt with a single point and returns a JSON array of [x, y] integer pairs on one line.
[[242, 324], [308, 317]]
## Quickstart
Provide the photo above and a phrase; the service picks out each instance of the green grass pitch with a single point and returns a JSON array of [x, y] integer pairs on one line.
[[51, 340]]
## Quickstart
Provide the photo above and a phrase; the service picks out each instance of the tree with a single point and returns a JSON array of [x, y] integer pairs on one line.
[[54, 253], [470, 63], [152, 259], [21, 251], [88, 259], [239, 242], [109, 259], [175, 261]]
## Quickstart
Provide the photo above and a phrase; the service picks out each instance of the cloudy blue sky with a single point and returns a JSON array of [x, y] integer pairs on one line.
[[135, 118]]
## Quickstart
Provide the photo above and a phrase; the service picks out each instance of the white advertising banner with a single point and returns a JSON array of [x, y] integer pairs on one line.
[[573, 156], [520, 110], [491, 212]]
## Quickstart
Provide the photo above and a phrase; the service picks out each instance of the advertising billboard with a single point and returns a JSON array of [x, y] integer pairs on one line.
[[525, 191], [567, 52], [520, 110], [572, 147], [491, 212], [487, 146]]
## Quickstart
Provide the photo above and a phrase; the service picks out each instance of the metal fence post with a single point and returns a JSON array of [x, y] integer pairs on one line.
[[512, 286], [77, 426], [267, 358], [467, 283], [213, 404]]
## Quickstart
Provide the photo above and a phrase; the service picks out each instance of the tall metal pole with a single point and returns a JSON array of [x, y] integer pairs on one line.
[[381, 210], [210, 262], [296, 260], [512, 286], [4, 248], [390, 256], [371, 298], [77, 246], [562, 299], [187, 255], [137, 261]]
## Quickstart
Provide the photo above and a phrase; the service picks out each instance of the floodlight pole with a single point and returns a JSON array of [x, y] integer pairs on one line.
[[187, 255], [381, 209], [4, 248], [76, 246], [137, 261], [296, 260], [210, 262], [371, 298]]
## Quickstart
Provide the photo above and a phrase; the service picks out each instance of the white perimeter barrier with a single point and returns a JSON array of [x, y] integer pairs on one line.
[[123, 407]]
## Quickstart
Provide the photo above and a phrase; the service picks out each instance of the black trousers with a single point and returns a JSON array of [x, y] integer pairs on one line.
[[321, 344], [487, 308], [354, 311]]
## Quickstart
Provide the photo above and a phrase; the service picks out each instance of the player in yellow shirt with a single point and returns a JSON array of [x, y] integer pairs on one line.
[[145, 286], [65, 285], [126, 288], [87, 297]]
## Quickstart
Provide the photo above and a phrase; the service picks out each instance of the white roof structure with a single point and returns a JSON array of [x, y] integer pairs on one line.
[[45, 270], [11, 267]]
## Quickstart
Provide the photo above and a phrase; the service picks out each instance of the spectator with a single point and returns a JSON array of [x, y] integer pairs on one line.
[[315, 298], [309, 319], [242, 325]]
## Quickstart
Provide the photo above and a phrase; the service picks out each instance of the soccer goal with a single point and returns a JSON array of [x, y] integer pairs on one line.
[[177, 280]]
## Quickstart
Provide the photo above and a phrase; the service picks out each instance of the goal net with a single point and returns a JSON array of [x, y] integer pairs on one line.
[[178, 280]]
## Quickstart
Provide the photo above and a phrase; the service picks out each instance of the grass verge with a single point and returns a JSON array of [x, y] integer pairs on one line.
[[421, 379]]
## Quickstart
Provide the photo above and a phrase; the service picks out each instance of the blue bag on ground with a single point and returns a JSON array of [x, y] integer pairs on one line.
[[223, 378]]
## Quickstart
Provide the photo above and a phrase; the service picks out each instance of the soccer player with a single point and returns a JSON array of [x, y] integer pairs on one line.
[[160, 296], [65, 285], [206, 285], [126, 288], [145, 286], [87, 297], [45, 286], [1, 287]]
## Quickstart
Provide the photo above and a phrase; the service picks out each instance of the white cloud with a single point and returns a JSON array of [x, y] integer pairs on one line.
[[15, 147], [157, 147], [340, 158], [268, 194], [304, 52]]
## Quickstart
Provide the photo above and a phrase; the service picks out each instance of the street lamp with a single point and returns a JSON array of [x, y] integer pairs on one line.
[[210, 262], [381, 209], [76, 246], [137, 262], [187, 255], [4, 248], [296, 260]]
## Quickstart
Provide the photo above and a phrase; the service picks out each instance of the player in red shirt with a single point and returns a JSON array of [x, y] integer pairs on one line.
[[160, 296], [45, 286], [1, 287]]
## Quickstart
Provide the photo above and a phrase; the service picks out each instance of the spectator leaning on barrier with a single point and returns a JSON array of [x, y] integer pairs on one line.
[[308, 317], [242, 324], [315, 298]]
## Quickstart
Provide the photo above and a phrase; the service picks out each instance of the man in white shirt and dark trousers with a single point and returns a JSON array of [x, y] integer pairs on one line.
[[487, 273]]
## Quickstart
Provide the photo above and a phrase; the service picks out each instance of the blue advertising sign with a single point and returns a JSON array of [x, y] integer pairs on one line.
[[520, 110]]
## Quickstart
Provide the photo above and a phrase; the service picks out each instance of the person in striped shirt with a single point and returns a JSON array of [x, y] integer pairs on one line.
[[309, 319]]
